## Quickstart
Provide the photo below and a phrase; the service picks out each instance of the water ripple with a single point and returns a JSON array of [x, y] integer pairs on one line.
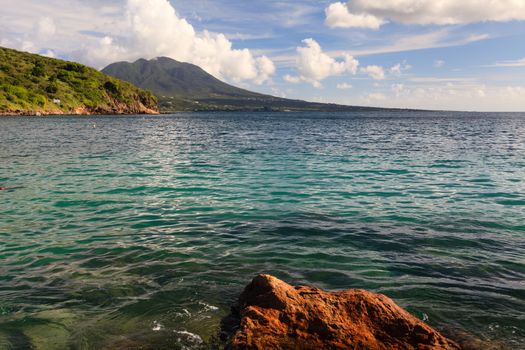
[[144, 230]]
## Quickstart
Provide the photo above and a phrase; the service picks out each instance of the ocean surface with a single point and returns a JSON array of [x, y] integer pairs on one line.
[[141, 231]]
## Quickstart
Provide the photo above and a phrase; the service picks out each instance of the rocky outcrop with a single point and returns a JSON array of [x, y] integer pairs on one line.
[[122, 109], [271, 314]]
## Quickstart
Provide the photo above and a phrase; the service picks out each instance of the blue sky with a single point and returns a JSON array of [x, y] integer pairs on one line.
[[436, 54]]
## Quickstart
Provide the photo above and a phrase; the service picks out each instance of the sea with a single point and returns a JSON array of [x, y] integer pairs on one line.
[[121, 232]]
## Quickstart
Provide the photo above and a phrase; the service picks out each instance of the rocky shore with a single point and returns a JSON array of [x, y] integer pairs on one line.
[[271, 314], [137, 108]]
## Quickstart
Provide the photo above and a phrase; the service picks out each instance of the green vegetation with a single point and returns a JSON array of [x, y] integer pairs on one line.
[[32, 84], [186, 87]]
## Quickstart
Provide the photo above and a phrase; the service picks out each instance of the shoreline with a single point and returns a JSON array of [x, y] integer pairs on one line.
[[80, 112], [292, 112]]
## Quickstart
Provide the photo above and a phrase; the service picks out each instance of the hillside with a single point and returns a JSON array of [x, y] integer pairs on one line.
[[32, 85], [183, 86]]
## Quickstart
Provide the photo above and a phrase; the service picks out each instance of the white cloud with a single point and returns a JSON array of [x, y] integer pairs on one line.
[[454, 94], [36, 38], [292, 79], [266, 69], [373, 13], [510, 64], [439, 63], [399, 68], [375, 96], [344, 86], [313, 65], [45, 28], [375, 72], [450, 96], [49, 53], [338, 16], [516, 92], [444, 37], [398, 89], [396, 69]]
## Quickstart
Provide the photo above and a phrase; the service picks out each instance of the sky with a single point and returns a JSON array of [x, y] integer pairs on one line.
[[430, 54]]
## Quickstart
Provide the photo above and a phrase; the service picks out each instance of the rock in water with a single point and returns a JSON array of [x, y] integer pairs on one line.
[[271, 314]]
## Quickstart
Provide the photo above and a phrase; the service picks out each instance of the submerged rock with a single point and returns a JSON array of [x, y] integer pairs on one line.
[[271, 314]]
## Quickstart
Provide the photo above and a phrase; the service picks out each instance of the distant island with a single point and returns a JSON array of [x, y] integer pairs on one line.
[[187, 87], [36, 85]]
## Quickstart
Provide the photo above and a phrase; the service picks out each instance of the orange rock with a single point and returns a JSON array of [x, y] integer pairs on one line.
[[274, 315]]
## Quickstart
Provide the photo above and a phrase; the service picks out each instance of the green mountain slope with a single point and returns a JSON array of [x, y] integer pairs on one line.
[[183, 86], [167, 77], [32, 84]]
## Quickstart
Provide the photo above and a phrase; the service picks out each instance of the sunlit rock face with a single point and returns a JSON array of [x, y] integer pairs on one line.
[[271, 314]]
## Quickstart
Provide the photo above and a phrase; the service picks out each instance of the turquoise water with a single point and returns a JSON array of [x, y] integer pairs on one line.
[[123, 231]]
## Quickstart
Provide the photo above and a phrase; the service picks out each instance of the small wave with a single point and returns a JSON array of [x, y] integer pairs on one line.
[[208, 307], [512, 203], [189, 337], [184, 314], [157, 326]]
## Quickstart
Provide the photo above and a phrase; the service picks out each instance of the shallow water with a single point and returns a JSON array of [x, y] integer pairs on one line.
[[124, 231]]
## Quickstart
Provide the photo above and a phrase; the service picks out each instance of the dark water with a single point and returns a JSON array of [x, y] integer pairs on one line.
[[124, 231]]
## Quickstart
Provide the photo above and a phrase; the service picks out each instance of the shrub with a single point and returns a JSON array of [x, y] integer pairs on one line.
[[65, 76], [75, 67], [16, 91], [38, 69], [111, 87], [52, 89], [38, 100]]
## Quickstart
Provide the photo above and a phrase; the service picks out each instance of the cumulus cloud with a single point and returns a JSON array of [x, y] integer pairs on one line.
[[375, 72], [292, 79], [338, 16], [36, 40], [372, 14], [313, 65], [45, 28], [266, 69], [399, 68]]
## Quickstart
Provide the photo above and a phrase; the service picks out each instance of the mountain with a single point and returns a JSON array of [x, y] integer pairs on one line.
[[183, 86], [32, 84]]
